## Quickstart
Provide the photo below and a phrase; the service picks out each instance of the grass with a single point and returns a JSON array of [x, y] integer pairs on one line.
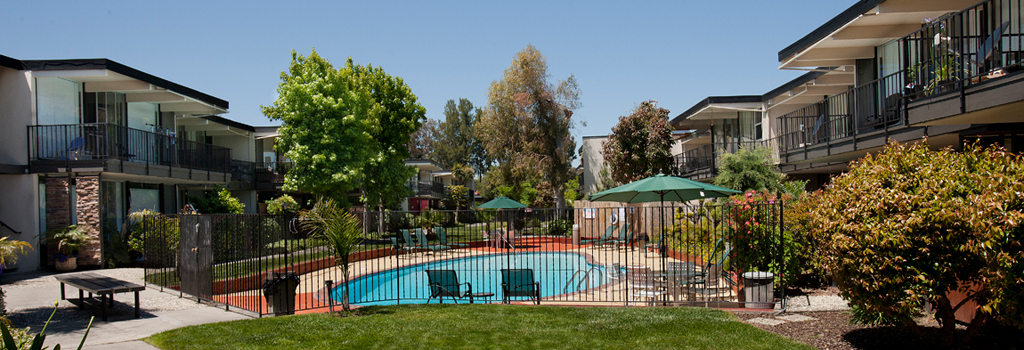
[[484, 326]]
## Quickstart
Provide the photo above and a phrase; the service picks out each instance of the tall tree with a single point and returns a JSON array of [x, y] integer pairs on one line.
[[423, 141], [344, 128], [528, 122], [455, 134], [640, 146]]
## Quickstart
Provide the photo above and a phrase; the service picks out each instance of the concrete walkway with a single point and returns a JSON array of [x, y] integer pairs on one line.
[[30, 297]]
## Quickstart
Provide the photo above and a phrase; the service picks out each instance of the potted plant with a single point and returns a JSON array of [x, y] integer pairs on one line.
[[68, 241]]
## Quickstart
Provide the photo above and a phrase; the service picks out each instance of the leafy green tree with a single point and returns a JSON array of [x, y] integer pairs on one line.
[[455, 139], [640, 146], [456, 198], [341, 229], [345, 128], [218, 201], [749, 169], [527, 125], [910, 225]]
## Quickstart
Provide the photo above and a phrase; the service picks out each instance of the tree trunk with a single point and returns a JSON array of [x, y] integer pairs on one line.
[[945, 314], [559, 203], [344, 278], [380, 220]]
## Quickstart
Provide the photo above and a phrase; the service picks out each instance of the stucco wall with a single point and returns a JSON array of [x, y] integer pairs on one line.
[[20, 210], [15, 115]]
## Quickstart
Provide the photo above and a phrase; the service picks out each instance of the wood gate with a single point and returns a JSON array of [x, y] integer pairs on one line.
[[196, 256]]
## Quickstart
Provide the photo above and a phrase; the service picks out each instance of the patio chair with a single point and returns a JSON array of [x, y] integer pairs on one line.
[[641, 282], [607, 235], [519, 283], [445, 283], [426, 246], [711, 288], [657, 247], [701, 277], [615, 277], [442, 238]]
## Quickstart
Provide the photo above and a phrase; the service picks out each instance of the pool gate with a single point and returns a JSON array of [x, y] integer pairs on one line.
[[725, 253]]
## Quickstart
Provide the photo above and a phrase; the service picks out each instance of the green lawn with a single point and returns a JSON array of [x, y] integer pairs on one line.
[[484, 326]]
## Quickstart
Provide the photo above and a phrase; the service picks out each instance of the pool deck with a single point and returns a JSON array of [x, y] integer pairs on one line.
[[311, 299]]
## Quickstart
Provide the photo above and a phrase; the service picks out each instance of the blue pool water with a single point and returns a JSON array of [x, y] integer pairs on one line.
[[409, 284]]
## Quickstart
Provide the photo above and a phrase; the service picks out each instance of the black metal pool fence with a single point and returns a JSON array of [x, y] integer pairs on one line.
[[719, 255]]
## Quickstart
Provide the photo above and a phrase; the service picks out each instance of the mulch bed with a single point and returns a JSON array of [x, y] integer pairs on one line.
[[833, 330]]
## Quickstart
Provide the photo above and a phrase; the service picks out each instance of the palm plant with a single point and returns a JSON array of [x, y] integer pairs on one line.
[[341, 229], [10, 249]]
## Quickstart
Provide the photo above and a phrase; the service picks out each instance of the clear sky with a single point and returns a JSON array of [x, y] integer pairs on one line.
[[675, 52]]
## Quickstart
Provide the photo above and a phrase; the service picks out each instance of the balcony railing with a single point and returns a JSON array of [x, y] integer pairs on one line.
[[272, 172], [703, 159], [427, 188], [946, 55], [100, 141]]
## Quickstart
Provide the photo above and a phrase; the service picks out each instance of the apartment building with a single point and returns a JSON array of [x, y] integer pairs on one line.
[[881, 70], [86, 141]]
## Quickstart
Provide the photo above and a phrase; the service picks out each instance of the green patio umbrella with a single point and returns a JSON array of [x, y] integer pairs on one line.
[[501, 202], [659, 188]]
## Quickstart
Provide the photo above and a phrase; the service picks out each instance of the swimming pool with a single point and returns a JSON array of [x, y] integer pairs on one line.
[[409, 284]]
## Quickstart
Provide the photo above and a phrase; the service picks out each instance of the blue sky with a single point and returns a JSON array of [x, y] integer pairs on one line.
[[676, 52]]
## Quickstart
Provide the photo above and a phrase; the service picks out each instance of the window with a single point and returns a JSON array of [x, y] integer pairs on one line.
[[57, 101]]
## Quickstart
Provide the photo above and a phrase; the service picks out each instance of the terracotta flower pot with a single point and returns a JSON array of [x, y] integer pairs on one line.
[[69, 264]]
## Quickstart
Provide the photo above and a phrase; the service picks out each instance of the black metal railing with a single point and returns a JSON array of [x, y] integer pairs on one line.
[[873, 106], [577, 255], [427, 188], [704, 158], [243, 171], [949, 54], [81, 142], [272, 172]]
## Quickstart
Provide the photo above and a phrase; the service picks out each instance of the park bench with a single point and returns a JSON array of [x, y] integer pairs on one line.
[[100, 285]]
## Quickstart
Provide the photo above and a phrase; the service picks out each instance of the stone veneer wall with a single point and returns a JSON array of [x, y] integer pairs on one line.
[[88, 191], [58, 213]]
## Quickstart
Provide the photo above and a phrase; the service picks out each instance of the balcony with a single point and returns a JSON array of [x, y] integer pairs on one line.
[[270, 175], [427, 189], [116, 148], [958, 70], [701, 162]]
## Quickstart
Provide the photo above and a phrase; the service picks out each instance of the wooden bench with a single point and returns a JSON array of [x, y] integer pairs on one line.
[[100, 285]]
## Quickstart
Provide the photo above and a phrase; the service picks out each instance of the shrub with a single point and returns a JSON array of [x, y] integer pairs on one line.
[[283, 205], [910, 225], [218, 201], [749, 169], [560, 227]]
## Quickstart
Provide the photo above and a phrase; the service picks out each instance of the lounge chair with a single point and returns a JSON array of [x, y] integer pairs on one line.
[[426, 246], [607, 235], [445, 283], [398, 247], [641, 281], [519, 283], [701, 277], [443, 239], [624, 236], [410, 244]]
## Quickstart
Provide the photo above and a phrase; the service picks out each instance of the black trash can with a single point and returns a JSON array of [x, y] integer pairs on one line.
[[758, 290], [279, 289]]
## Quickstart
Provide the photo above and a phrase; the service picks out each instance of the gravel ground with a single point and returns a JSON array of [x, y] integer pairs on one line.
[[831, 328]]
